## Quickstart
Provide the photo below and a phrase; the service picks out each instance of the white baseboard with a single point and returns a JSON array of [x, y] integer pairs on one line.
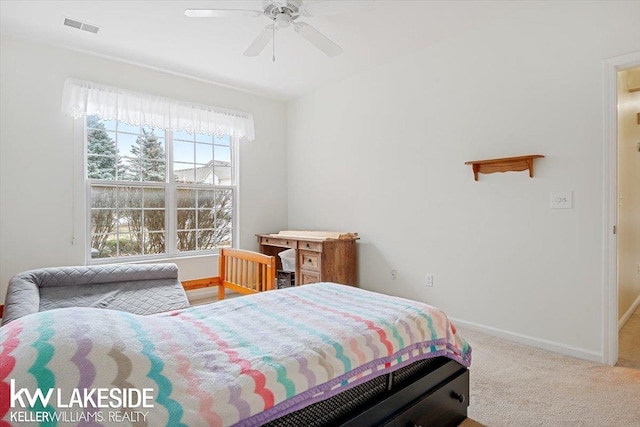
[[628, 313], [568, 350]]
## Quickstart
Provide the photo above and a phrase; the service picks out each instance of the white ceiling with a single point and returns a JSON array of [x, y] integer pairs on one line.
[[158, 34]]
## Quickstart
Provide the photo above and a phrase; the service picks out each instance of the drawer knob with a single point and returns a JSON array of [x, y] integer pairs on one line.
[[309, 260], [308, 245], [459, 397]]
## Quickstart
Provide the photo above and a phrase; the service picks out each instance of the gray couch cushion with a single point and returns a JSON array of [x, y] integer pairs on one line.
[[135, 288]]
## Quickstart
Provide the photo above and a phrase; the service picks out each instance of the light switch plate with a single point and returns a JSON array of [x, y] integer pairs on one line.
[[562, 200]]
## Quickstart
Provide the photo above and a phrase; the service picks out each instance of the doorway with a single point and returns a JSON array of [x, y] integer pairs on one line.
[[629, 218], [610, 308]]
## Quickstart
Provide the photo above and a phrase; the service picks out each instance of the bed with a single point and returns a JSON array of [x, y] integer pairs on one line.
[[316, 355], [245, 272]]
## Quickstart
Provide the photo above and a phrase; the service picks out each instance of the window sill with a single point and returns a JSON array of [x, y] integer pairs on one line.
[[147, 260]]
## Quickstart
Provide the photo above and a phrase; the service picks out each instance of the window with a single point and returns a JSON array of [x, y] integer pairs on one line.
[[157, 193]]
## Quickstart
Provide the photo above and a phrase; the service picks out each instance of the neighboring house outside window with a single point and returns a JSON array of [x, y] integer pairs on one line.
[[154, 193]]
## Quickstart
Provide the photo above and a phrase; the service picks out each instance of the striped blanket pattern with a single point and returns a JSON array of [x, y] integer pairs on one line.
[[243, 361]]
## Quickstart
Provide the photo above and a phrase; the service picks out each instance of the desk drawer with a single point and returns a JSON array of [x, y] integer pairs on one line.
[[310, 246], [307, 277], [309, 260], [276, 241]]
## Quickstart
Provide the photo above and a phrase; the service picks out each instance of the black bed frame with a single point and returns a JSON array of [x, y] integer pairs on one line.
[[431, 392]]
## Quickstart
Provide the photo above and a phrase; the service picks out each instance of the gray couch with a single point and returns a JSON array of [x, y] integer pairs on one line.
[[135, 288]]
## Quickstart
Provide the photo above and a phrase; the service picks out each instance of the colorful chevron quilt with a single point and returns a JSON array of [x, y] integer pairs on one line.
[[242, 361]]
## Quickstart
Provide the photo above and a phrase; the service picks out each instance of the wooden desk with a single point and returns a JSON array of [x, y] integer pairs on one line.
[[317, 260]]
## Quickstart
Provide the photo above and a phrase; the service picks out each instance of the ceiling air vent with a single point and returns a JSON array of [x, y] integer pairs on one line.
[[71, 23], [91, 28], [81, 25]]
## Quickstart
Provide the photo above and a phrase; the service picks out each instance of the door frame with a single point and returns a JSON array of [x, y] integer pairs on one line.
[[610, 213]]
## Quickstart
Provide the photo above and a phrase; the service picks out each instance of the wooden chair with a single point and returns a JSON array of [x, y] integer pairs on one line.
[[246, 272]]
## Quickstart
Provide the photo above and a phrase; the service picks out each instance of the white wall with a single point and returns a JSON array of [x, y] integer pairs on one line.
[[38, 159], [383, 153], [629, 193]]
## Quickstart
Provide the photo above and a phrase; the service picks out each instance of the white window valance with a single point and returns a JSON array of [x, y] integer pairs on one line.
[[82, 98]]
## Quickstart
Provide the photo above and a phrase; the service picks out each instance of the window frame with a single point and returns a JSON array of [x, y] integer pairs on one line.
[[171, 188]]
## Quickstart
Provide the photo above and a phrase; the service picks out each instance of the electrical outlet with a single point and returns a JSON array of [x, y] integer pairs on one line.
[[429, 280], [638, 269], [394, 274]]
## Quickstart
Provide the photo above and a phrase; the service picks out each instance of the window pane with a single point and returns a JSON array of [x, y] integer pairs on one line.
[[204, 153], [102, 246], [101, 142], [154, 220], [151, 146], [222, 153], [222, 173], [184, 173], [154, 243], [103, 221], [223, 140], [206, 218], [224, 203], [154, 197], [213, 215], [101, 167], [129, 247], [225, 239], [186, 198], [183, 152], [223, 217], [130, 197], [186, 241], [127, 145], [130, 224], [224, 209], [103, 196], [153, 171], [207, 239], [186, 219], [204, 174], [130, 169], [206, 198]]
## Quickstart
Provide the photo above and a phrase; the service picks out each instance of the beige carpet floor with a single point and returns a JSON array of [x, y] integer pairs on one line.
[[517, 385], [629, 342]]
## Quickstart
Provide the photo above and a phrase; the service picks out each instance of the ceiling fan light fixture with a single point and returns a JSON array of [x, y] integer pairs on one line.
[[282, 20]]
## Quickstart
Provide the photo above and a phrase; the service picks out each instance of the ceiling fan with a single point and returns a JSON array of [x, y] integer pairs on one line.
[[284, 14]]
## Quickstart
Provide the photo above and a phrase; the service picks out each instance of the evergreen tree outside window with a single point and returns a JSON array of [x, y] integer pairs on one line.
[[102, 160], [142, 179]]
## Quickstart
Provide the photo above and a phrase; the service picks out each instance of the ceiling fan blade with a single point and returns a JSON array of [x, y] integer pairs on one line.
[[333, 7], [221, 13], [260, 42], [318, 39]]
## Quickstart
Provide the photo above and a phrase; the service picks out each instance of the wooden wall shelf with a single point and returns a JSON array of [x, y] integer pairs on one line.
[[505, 164]]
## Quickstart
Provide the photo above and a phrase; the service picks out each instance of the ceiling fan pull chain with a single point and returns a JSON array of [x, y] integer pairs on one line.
[[274, 40]]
